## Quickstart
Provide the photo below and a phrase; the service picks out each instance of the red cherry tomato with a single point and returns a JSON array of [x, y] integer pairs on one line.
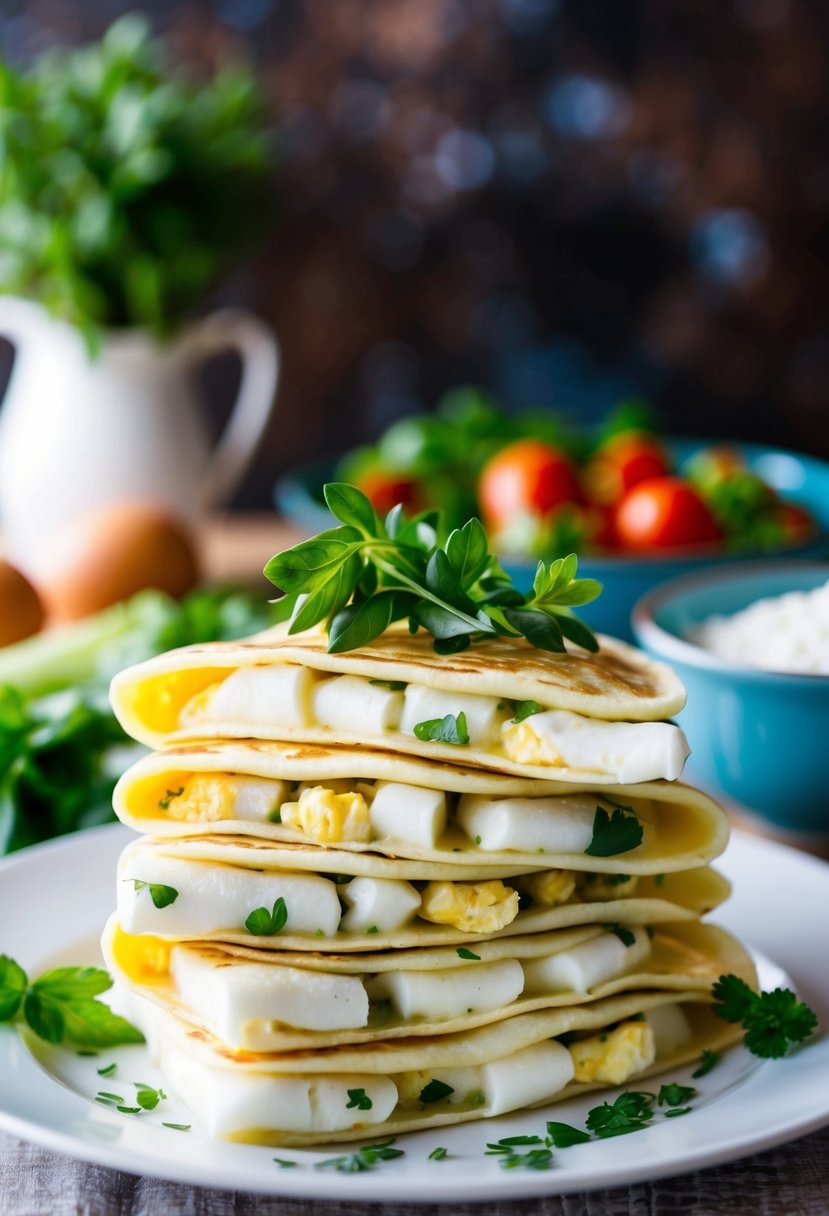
[[623, 462], [386, 490], [526, 476], [664, 513]]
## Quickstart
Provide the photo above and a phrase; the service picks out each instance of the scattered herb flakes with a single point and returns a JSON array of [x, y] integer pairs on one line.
[[707, 1061], [438, 1154], [526, 709], [507, 1142], [509, 1159], [147, 1096], [563, 1135], [104, 1096], [284, 1163], [108, 1071], [383, 1012], [129, 1110], [659, 880], [262, 923], [677, 1110], [358, 1098], [451, 729], [674, 1094], [392, 685], [625, 935], [435, 1091], [372, 929], [476, 1097], [164, 803], [88, 1054], [275, 816], [161, 895], [364, 1159], [630, 1112], [477, 840], [178, 1127], [772, 1021], [462, 952], [616, 833]]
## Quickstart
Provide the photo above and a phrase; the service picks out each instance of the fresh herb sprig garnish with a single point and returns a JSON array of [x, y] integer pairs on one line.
[[772, 1021], [61, 1005], [707, 1061], [450, 729], [366, 573], [365, 1158], [509, 1158], [616, 833], [161, 895]]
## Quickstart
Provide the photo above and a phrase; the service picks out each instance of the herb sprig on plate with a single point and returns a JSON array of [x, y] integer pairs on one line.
[[366, 573], [61, 1005]]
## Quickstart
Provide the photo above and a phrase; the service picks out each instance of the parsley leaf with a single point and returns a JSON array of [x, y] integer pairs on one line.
[[526, 709], [13, 981], [772, 1021], [61, 1006], [563, 1135], [438, 1154], [674, 1094], [365, 1158], [161, 895], [630, 1112], [616, 833], [509, 1159], [707, 1061], [435, 1091], [462, 952], [360, 1099], [450, 729], [262, 923]]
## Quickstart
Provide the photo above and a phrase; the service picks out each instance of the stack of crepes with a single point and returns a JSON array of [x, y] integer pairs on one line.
[[387, 890]]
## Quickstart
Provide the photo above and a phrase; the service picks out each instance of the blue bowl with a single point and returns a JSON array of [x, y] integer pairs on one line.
[[803, 479], [757, 737]]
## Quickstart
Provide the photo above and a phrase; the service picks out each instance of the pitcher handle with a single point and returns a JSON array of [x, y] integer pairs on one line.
[[258, 349]]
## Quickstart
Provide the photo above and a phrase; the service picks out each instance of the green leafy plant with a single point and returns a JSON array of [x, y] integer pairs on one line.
[[125, 191], [360, 577], [772, 1021], [61, 1006]]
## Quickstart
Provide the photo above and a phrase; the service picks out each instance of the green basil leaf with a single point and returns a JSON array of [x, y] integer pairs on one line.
[[329, 599], [44, 1015], [576, 631], [351, 506], [443, 582], [540, 630], [362, 622], [526, 709], [309, 566], [450, 729], [453, 645], [13, 983], [468, 552], [580, 591], [73, 983], [262, 923], [435, 1091], [442, 622]]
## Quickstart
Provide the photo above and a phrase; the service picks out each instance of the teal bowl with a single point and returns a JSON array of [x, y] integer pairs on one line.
[[757, 737], [626, 579]]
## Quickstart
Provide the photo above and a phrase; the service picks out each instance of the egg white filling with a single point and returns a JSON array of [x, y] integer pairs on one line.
[[248, 1104], [245, 1002], [390, 812], [355, 706]]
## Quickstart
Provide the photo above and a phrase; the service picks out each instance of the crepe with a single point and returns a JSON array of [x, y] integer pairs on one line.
[[574, 716], [364, 800], [383, 1088], [269, 1001], [207, 887]]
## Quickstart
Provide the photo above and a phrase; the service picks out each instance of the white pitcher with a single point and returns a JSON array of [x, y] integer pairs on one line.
[[77, 432]]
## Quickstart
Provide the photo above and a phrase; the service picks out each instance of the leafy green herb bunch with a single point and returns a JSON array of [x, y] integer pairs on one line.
[[126, 191]]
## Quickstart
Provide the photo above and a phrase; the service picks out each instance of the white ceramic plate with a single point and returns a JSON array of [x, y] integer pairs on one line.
[[55, 898]]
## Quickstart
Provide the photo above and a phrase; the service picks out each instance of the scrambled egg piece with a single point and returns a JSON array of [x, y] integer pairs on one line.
[[548, 888], [194, 711], [204, 799], [523, 745], [615, 1055], [472, 907], [327, 817], [595, 887]]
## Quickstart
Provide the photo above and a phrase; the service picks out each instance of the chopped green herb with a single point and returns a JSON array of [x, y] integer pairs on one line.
[[372, 929], [161, 895], [677, 1110], [262, 923], [675, 1095], [625, 935], [364, 1159], [383, 1012], [319, 933], [526, 709], [108, 1071], [147, 1096], [104, 1096], [476, 1097], [275, 816], [707, 1061], [616, 833], [451, 729], [435, 1091], [61, 1005], [392, 685], [438, 1154], [178, 1127], [285, 1163], [462, 952], [129, 1110], [88, 1054], [507, 1142], [358, 1098], [509, 1159], [477, 840], [164, 803], [630, 1112], [563, 1135], [659, 880], [772, 1021]]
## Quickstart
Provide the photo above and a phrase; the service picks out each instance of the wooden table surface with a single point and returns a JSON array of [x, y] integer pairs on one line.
[[792, 1180]]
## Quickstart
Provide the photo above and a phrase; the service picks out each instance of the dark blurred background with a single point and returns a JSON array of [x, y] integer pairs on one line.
[[566, 201]]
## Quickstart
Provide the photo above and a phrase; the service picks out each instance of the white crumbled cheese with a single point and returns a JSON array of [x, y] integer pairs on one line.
[[781, 633]]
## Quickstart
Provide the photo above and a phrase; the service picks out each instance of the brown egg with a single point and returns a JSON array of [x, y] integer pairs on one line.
[[102, 556], [21, 609]]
